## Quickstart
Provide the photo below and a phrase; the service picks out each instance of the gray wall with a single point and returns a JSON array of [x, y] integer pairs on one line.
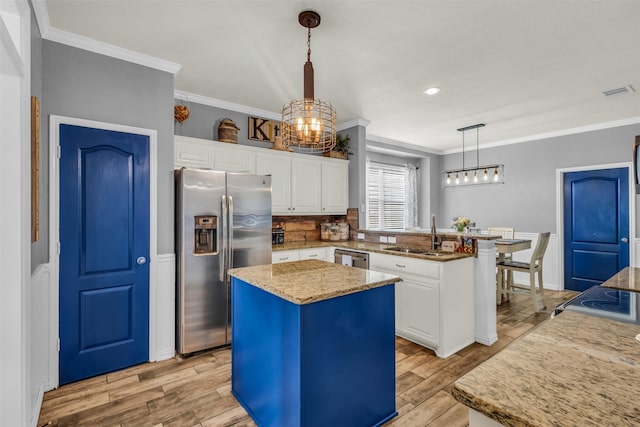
[[40, 248], [527, 200], [82, 84]]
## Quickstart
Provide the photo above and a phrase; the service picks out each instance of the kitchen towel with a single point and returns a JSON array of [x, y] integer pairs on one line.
[[346, 260]]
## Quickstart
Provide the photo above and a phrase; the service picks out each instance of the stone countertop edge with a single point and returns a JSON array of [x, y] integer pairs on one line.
[[573, 369], [627, 279], [445, 233], [359, 245], [309, 281]]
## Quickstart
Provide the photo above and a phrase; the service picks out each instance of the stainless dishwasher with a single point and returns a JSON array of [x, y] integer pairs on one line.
[[352, 258]]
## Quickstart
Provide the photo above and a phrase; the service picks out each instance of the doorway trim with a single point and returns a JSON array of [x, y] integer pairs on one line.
[[560, 212], [54, 229]]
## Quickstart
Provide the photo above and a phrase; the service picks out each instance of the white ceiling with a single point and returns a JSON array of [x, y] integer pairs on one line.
[[522, 67]]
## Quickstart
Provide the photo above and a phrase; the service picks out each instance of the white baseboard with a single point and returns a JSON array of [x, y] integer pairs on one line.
[[549, 263], [162, 309]]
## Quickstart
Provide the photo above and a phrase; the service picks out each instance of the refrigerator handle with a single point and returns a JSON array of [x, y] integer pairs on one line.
[[230, 231], [225, 242]]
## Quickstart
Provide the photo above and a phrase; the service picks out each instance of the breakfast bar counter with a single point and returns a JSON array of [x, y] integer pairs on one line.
[[313, 344], [572, 370]]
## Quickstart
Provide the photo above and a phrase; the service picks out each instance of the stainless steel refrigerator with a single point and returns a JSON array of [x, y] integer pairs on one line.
[[223, 220]]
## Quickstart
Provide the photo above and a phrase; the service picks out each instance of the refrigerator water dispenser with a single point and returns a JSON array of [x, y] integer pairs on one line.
[[206, 235]]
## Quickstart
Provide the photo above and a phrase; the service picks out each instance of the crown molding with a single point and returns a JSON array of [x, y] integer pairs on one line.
[[219, 103], [554, 134], [53, 34], [239, 108], [391, 143], [353, 123]]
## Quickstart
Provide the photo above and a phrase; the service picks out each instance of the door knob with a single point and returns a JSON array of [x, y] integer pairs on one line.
[[624, 240], [141, 260]]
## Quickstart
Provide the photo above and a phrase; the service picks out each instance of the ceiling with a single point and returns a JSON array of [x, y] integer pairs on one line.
[[524, 68]]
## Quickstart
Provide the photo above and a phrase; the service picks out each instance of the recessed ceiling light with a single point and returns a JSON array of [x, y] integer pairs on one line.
[[432, 90]]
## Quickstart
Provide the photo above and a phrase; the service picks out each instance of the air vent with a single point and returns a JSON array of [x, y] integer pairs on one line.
[[623, 89]]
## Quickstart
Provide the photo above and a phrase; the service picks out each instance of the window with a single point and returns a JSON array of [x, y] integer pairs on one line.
[[386, 196]]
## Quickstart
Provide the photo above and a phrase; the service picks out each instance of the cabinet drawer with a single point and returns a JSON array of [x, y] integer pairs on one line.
[[315, 253], [418, 267], [284, 256]]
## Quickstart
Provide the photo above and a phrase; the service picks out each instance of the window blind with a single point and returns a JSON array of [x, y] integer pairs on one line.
[[386, 187]]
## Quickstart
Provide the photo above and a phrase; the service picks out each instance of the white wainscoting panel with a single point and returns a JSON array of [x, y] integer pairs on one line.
[[549, 263], [636, 261], [163, 309], [39, 336]]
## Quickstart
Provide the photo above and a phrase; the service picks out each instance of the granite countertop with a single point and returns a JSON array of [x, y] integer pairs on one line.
[[304, 282], [360, 245], [476, 236], [572, 370], [627, 279]]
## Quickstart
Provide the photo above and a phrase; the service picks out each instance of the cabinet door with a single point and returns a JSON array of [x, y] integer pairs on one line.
[[279, 167], [421, 309], [193, 155], [335, 187], [284, 256], [306, 178], [315, 253], [234, 159]]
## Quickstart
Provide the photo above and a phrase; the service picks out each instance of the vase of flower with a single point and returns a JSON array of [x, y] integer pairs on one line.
[[460, 223]]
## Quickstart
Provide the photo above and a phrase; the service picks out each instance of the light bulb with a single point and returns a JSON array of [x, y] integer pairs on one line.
[[448, 178], [495, 175], [475, 176], [485, 176], [466, 177], [457, 179]]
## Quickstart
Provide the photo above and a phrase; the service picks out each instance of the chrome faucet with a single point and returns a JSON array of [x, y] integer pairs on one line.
[[434, 236]]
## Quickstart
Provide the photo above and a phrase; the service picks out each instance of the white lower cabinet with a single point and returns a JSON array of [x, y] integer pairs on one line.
[[434, 301], [322, 254], [284, 256]]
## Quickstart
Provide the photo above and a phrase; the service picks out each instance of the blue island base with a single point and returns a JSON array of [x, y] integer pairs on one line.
[[328, 363]]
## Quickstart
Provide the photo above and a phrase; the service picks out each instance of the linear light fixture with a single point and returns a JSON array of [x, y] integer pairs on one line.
[[478, 175]]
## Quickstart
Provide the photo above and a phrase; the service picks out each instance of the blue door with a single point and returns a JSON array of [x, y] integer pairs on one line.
[[596, 226], [104, 248]]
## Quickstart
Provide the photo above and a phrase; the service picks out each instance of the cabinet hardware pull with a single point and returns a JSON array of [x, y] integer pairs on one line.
[[401, 266], [313, 255]]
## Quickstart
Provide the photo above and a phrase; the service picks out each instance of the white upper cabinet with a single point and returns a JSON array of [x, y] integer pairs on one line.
[[306, 185], [279, 167], [234, 159], [193, 153], [301, 184], [335, 185]]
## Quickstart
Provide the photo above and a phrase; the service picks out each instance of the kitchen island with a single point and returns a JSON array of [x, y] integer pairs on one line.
[[572, 370], [313, 344]]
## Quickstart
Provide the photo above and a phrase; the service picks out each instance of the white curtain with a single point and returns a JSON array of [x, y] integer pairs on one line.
[[411, 196]]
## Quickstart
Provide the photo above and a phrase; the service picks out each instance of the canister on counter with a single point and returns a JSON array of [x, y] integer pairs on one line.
[[334, 232], [325, 231], [344, 230]]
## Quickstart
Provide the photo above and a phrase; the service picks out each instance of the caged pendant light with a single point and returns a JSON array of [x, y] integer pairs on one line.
[[309, 124], [487, 174]]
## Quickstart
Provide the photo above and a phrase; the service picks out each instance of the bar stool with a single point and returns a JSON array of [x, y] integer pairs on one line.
[[505, 233], [532, 267]]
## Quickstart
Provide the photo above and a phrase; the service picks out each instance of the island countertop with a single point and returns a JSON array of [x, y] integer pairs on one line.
[[305, 282], [627, 279], [572, 370]]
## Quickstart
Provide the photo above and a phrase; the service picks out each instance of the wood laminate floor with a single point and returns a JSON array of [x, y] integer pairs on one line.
[[196, 391]]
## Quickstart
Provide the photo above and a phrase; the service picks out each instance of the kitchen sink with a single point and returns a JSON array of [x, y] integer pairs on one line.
[[415, 251]]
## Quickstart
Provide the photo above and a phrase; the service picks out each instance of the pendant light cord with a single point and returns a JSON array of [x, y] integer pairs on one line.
[[477, 147], [463, 151]]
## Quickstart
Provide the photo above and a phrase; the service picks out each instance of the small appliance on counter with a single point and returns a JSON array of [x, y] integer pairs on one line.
[[608, 303], [277, 236]]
